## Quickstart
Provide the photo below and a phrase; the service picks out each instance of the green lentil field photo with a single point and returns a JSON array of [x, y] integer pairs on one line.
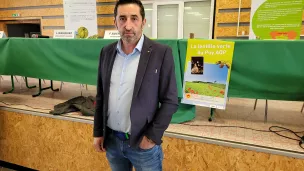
[[206, 89]]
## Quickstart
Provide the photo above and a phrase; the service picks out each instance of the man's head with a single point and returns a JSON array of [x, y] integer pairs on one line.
[[129, 19]]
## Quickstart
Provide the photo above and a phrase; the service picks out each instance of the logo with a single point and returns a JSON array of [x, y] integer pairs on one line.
[[188, 96]]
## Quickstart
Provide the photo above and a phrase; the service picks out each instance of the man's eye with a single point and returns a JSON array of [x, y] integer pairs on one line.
[[134, 19], [122, 19]]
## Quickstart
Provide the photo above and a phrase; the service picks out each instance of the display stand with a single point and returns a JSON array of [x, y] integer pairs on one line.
[[266, 109], [13, 86], [41, 89]]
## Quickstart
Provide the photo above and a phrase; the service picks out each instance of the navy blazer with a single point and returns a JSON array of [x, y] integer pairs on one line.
[[155, 97]]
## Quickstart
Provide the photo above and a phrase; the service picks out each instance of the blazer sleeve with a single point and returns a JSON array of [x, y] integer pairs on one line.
[[98, 116], [168, 98]]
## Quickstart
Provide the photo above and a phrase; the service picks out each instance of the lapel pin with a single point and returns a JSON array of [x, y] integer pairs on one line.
[[148, 51]]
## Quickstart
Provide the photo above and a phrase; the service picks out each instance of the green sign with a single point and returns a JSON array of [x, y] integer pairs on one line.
[[15, 15], [277, 19]]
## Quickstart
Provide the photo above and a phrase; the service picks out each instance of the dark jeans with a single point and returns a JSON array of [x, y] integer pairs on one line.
[[122, 157]]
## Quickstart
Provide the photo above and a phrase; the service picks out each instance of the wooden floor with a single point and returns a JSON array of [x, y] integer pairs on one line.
[[239, 113]]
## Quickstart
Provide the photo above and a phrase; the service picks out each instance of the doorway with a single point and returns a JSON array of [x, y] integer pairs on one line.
[[22, 30], [21, 27]]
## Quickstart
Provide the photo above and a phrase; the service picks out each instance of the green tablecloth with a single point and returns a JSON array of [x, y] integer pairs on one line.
[[264, 69], [260, 69], [70, 61]]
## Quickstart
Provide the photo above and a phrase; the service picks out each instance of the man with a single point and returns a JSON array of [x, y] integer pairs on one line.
[[136, 94]]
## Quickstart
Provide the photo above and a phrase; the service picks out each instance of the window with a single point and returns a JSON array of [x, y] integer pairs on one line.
[[167, 21], [177, 19], [197, 19], [148, 26]]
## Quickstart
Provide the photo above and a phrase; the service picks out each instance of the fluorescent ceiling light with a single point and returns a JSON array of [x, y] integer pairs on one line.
[[148, 9], [188, 8], [169, 15]]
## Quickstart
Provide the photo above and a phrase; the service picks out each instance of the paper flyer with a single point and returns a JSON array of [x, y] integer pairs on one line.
[[276, 19], [2, 34], [207, 73], [81, 16]]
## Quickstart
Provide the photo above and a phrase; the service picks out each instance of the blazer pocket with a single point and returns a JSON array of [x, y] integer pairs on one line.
[[152, 75], [154, 71]]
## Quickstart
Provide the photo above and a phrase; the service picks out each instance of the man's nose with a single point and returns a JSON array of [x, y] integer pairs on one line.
[[128, 24]]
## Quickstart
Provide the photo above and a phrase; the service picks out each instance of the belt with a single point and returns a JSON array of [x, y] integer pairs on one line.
[[121, 135]]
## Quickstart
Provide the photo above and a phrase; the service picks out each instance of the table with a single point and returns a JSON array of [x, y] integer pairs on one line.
[[261, 69], [69, 60]]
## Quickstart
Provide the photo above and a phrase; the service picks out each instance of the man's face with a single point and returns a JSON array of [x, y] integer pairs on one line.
[[129, 22]]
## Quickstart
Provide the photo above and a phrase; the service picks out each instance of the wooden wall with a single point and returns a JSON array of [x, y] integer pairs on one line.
[[50, 144], [226, 19], [51, 13]]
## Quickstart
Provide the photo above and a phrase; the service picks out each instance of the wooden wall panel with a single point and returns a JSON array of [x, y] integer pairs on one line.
[[33, 12], [228, 4], [23, 3], [101, 21], [231, 31], [106, 0], [42, 12], [227, 17], [52, 22], [108, 9], [232, 17], [50, 144], [3, 27], [105, 21], [26, 3]]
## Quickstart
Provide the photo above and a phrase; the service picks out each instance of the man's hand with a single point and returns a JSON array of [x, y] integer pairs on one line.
[[98, 144], [146, 143]]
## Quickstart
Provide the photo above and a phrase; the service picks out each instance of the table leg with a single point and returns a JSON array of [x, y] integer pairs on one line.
[[80, 89], [13, 86], [1, 78], [211, 114], [61, 86], [17, 79], [26, 83], [255, 103], [266, 111], [302, 108], [41, 89]]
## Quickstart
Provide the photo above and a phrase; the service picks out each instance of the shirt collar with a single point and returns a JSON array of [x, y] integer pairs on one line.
[[138, 46]]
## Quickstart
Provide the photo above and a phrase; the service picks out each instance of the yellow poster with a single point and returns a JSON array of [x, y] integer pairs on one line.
[[207, 73]]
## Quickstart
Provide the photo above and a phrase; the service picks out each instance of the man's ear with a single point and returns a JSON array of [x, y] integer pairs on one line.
[[144, 22]]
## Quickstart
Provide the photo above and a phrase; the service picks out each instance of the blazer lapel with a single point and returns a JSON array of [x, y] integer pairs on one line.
[[142, 65]]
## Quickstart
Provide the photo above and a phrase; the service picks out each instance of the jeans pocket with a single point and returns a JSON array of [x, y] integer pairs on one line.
[[147, 150]]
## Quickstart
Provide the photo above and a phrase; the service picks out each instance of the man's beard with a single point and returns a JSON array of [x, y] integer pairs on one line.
[[129, 38]]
